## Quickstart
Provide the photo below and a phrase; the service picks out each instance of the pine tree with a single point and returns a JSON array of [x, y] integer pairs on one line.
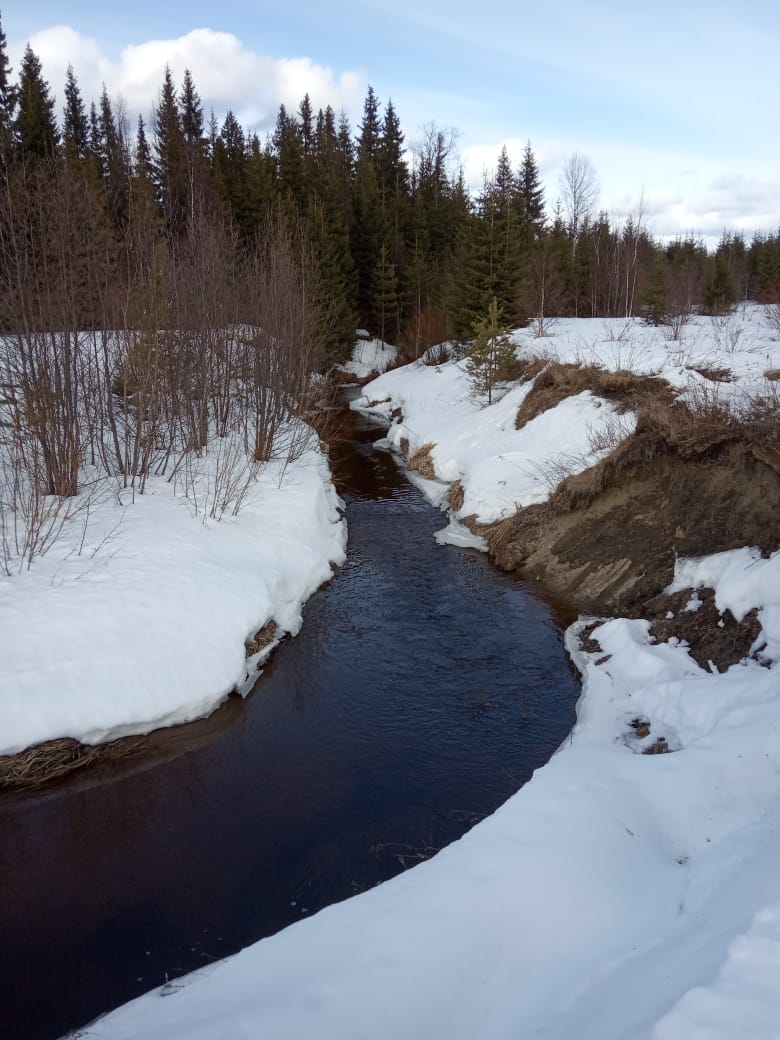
[[491, 358], [35, 128]]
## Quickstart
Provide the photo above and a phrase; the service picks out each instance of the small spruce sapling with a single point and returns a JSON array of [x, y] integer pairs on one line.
[[491, 357]]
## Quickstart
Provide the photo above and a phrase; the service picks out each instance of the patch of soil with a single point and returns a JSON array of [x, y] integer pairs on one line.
[[609, 545], [710, 635]]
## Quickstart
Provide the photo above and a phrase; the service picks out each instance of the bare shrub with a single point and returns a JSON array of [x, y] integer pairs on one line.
[[772, 317], [428, 327], [609, 434], [728, 331]]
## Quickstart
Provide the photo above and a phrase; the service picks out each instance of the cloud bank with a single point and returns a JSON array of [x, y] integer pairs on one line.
[[227, 74]]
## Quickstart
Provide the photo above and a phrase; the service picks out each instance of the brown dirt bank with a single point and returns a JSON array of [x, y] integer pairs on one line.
[[692, 480]]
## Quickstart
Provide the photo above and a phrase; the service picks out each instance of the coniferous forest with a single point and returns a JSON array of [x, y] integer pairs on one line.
[[400, 245]]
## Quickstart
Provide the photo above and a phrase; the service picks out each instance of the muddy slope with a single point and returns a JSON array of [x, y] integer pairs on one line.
[[607, 540]]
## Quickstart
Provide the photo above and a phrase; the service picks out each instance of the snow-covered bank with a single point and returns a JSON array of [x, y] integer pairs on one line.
[[615, 895], [618, 894], [137, 616], [370, 357]]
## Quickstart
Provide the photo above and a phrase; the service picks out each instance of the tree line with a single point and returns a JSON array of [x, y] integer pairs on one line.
[[402, 246]]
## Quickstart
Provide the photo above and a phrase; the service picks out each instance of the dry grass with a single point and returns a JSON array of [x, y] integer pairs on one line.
[[772, 374], [56, 758], [715, 375], [422, 463], [456, 495], [700, 428], [499, 535], [558, 381], [530, 367], [404, 444], [261, 638]]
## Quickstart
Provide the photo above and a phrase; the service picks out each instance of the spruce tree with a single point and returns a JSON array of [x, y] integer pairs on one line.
[[35, 128], [114, 161], [369, 127], [386, 294], [75, 125], [491, 358], [143, 155], [169, 165], [531, 191], [191, 111], [7, 97]]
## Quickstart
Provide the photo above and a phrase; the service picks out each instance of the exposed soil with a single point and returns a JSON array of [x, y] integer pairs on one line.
[[688, 482]]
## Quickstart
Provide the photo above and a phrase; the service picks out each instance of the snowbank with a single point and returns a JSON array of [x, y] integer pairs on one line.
[[618, 894], [138, 619], [369, 356], [501, 468]]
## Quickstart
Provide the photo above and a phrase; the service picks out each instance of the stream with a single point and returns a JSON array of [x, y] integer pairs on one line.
[[423, 690]]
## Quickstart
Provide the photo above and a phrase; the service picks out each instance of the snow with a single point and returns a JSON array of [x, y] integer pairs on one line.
[[617, 895], [370, 356], [501, 468], [138, 619]]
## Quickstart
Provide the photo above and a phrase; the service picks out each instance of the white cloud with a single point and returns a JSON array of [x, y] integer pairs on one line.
[[226, 73]]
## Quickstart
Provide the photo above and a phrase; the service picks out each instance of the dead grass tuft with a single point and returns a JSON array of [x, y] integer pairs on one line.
[[558, 381], [527, 368], [715, 375], [500, 534], [261, 638], [56, 758], [456, 496], [422, 463], [772, 374], [660, 747]]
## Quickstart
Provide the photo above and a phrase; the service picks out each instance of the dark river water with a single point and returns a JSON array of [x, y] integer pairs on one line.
[[423, 690]]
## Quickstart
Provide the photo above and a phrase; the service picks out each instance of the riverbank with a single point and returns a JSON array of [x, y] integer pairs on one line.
[[149, 610], [630, 888]]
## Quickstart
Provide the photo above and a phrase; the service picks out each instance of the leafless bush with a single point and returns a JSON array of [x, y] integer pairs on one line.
[[772, 318], [728, 331], [609, 434]]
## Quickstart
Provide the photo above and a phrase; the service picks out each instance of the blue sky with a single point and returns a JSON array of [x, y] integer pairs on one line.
[[676, 100]]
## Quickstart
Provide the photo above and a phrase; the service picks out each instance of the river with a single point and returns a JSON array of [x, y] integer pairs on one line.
[[423, 690]]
